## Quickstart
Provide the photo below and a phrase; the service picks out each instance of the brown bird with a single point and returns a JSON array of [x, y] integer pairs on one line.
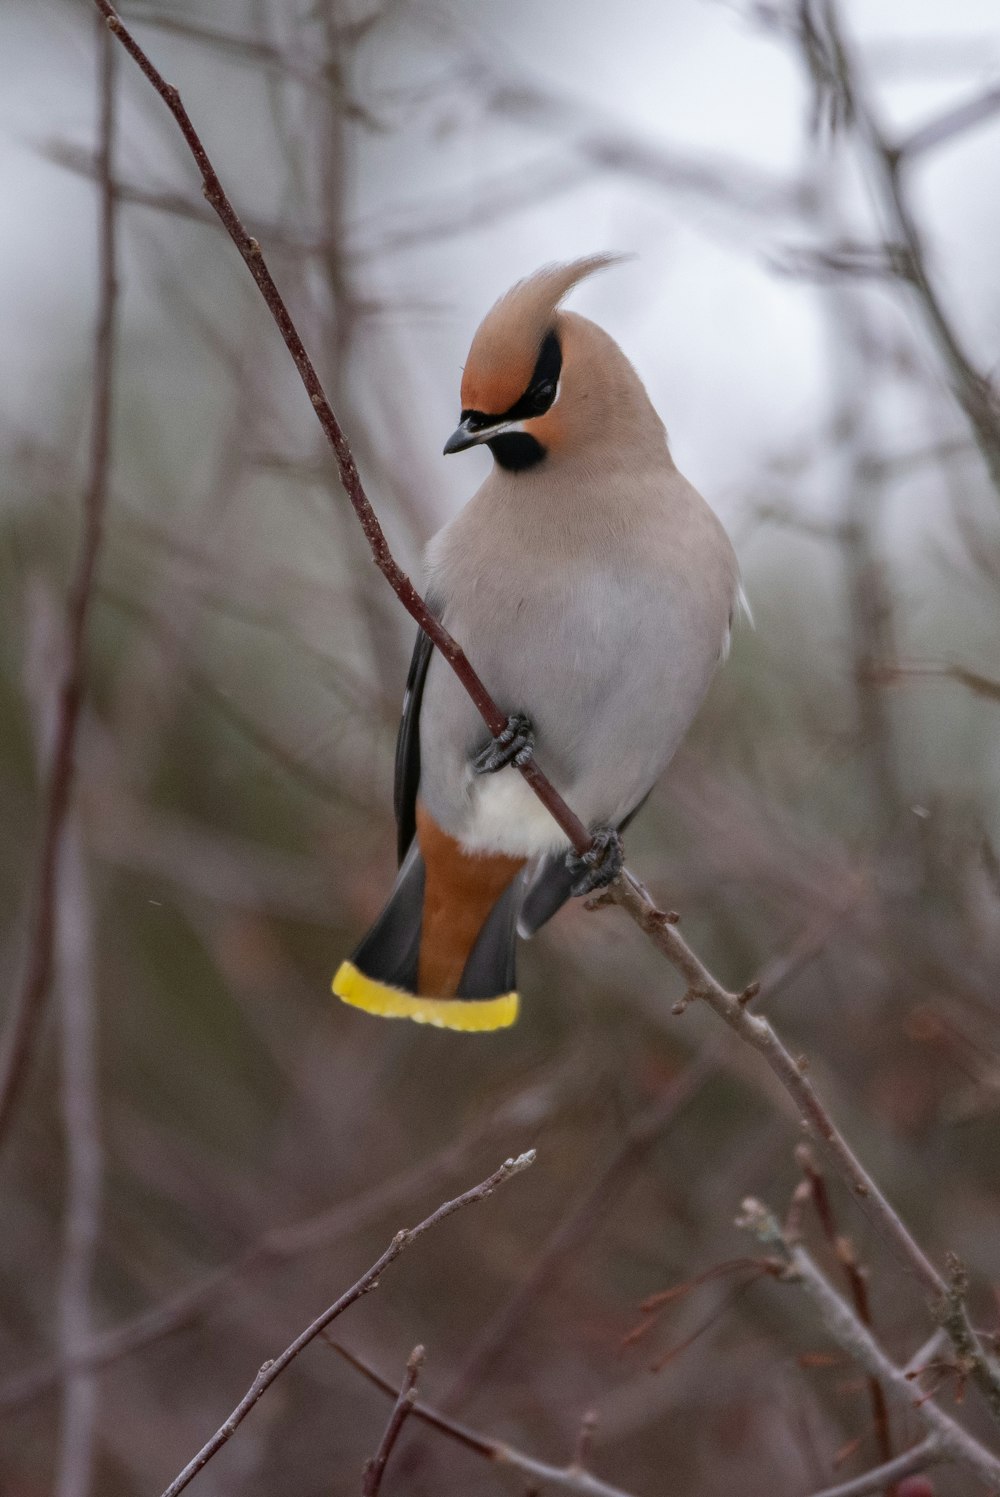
[[594, 591]]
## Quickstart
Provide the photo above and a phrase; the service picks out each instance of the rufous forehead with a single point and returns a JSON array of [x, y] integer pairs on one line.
[[495, 378]]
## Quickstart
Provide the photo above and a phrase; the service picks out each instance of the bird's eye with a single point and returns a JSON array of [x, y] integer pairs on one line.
[[542, 395]]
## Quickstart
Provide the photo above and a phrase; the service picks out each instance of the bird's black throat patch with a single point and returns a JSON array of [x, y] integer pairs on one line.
[[516, 450]]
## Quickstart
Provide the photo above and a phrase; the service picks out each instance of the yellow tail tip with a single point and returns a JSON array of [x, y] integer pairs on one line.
[[468, 1014]]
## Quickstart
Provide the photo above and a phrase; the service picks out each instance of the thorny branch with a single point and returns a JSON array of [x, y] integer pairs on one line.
[[626, 891], [568, 1478], [26, 1010], [367, 1282], [951, 1441]]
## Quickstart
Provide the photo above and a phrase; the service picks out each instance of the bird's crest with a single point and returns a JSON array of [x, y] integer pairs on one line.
[[506, 346]]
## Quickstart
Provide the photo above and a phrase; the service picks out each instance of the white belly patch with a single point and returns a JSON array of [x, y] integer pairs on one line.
[[505, 815]]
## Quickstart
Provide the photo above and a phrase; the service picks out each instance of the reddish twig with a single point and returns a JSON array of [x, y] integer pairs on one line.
[[397, 579], [368, 1281], [403, 1407], [626, 890], [23, 1021], [857, 1283], [928, 1453]]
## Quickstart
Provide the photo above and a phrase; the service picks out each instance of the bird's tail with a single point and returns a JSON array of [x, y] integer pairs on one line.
[[442, 951]]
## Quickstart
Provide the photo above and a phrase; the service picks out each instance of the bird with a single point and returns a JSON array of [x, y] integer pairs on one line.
[[595, 592]]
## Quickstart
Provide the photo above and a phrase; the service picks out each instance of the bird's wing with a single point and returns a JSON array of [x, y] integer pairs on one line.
[[407, 774]]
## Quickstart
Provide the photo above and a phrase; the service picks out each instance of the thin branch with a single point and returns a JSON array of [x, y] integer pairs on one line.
[[578, 1223], [792, 1072], [857, 1283], [22, 1022], [972, 388], [928, 1453], [567, 1478], [74, 984], [626, 891], [888, 673], [73, 987], [953, 122], [400, 583], [953, 1442], [403, 1407], [368, 1281], [279, 1245]]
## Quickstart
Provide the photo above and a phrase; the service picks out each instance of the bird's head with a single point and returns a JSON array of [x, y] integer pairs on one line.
[[539, 381]]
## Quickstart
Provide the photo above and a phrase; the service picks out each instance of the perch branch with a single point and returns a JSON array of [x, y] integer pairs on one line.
[[368, 1281], [626, 891], [350, 478]]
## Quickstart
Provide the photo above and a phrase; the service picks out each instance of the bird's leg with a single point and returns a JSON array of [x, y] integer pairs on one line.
[[515, 745], [600, 864]]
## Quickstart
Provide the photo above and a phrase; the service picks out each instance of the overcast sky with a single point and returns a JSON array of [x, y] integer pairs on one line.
[[736, 357]]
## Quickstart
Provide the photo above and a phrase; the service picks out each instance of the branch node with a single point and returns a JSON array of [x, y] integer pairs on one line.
[[748, 994]]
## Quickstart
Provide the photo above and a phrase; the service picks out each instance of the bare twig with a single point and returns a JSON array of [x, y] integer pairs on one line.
[[953, 1442], [857, 1283], [889, 673], [953, 122], [928, 1453], [402, 586], [580, 1221], [84, 1165], [22, 1022], [792, 1072], [78, 1084], [567, 1478], [403, 1407], [280, 1245], [972, 388], [368, 1281], [626, 891]]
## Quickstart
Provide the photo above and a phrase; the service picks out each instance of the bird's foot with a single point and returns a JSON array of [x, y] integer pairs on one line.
[[600, 864], [515, 745]]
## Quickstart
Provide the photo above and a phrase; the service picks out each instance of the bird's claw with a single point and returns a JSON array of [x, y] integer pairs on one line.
[[600, 864], [515, 745]]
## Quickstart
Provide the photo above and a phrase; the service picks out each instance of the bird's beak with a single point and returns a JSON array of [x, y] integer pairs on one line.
[[463, 437]]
